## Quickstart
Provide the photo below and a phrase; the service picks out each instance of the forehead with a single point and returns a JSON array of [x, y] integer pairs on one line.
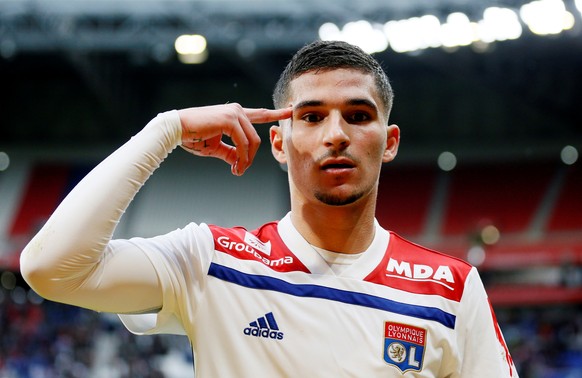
[[337, 85]]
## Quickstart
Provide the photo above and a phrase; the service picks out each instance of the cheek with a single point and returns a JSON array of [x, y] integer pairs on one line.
[[374, 154], [376, 146], [381, 149], [299, 146]]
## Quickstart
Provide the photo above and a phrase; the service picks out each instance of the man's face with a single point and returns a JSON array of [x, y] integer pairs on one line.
[[337, 139]]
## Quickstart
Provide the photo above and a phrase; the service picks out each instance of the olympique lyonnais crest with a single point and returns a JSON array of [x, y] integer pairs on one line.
[[404, 346]]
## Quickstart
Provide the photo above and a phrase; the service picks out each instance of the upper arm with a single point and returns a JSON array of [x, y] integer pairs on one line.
[[125, 281], [122, 279]]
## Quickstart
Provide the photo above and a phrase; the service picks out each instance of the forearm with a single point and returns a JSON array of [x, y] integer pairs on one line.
[[68, 252]]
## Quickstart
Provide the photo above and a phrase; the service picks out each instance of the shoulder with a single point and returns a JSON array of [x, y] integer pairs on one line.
[[263, 245], [230, 237], [404, 250], [413, 268]]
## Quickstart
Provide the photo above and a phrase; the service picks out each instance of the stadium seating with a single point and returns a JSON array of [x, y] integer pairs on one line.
[[533, 273]]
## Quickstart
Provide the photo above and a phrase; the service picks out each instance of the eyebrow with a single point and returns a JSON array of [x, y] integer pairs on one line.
[[308, 104], [352, 102], [363, 101]]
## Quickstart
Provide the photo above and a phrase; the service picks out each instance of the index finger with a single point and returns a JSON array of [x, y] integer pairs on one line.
[[263, 115]]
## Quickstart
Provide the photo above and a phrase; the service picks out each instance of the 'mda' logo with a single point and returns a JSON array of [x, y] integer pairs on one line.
[[265, 327], [420, 272]]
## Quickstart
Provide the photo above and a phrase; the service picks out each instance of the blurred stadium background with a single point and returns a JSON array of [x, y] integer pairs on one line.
[[489, 103]]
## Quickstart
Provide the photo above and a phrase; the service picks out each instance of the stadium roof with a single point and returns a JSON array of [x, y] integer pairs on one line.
[[110, 65]]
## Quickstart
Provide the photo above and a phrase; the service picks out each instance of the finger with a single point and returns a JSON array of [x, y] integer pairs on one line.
[[251, 116], [254, 141], [267, 115], [225, 152], [222, 151], [190, 150], [238, 135]]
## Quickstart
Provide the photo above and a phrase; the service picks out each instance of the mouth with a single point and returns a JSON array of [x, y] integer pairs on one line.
[[337, 165]]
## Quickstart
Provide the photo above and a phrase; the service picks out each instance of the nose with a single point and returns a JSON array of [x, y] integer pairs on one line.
[[335, 132]]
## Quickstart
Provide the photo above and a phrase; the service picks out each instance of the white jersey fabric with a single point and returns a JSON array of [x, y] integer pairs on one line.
[[264, 303]]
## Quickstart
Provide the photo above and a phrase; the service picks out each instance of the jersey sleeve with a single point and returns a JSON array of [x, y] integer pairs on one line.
[[70, 259], [482, 348], [181, 259]]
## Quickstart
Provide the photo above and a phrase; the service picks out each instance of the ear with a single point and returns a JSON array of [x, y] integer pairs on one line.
[[275, 134], [392, 143]]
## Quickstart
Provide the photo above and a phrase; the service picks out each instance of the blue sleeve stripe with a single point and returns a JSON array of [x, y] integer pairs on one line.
[[260, 282]]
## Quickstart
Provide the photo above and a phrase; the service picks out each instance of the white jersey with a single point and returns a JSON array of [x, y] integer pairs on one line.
[[266, 304], [263, 303]]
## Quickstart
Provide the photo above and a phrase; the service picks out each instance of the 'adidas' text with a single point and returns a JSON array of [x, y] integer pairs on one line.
[[266, 333]]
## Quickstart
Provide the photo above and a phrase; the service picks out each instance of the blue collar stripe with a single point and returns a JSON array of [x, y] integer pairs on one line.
[[315, 291]]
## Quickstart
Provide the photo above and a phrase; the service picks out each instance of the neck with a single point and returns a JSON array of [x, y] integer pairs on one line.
[[344, 229]]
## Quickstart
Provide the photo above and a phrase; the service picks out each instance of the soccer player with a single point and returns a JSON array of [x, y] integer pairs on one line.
[[323, 292]]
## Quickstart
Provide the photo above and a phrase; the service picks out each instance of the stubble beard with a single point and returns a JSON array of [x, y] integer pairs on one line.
[[336, 200]]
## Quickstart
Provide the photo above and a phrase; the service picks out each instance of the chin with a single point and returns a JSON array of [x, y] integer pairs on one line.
[[338, 200]]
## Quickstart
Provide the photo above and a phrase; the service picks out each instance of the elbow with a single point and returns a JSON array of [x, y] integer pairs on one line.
[[34, 276], [40, 276], [38, 282], [56, 268]]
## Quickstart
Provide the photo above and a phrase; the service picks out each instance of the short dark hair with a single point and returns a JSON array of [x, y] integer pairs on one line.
[[329, 55]]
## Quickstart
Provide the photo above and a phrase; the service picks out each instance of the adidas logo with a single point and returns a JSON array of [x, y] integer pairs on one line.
[[265, 326]]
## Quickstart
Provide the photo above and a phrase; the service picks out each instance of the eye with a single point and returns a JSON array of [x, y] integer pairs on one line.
[[311, 117], [359, 117]]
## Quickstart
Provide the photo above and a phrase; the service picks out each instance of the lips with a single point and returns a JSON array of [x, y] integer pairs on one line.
[[337, 164]]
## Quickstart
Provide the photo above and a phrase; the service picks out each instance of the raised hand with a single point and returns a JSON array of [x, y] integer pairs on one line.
[[203, 128]]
